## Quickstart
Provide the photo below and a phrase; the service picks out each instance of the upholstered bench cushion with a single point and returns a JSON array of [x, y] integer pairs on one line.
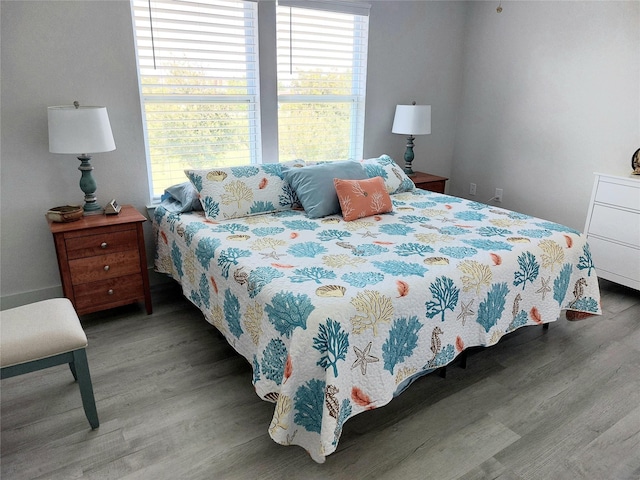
[[39, 330]]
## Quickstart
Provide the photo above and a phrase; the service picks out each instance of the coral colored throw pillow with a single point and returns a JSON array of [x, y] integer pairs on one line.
[[362, 198]]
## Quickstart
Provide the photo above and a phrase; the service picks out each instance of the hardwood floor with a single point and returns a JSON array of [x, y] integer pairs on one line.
[[176, 402]]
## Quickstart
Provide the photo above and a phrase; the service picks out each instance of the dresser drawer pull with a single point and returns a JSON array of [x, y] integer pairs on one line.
[[107, 268], [110, 292], [103, 245]]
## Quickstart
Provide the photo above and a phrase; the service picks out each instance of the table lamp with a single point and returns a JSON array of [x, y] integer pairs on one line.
[[411, 120], [81, 130]]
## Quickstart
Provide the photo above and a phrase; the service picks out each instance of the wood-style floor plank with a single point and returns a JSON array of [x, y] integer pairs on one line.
[[176, 402]]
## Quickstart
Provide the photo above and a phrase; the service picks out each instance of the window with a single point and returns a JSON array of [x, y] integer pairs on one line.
[[198, 70], [200, 82], [322, 61]]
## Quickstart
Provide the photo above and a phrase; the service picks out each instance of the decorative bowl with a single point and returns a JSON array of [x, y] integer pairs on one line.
[[66, 213]]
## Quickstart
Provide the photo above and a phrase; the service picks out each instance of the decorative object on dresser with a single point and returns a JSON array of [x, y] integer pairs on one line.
[[102, 261], [112, 208], [65, 213], [613, 228], [76, 129], [411, 120], [426, 181]]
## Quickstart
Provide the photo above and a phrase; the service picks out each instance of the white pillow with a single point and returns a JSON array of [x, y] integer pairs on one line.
[[395, 180], [234, 192]]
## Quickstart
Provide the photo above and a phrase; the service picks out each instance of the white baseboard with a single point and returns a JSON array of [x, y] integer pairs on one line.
[[11, 301]]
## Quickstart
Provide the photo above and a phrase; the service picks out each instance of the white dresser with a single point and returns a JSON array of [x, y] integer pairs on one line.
[[613, 228]]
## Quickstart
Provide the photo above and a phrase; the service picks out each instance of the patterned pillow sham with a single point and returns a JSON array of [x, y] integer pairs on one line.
[[394, 177], [234, 192], [362, 198]]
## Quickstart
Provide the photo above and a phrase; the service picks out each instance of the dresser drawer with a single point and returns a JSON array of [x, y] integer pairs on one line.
[[618, 195], [614, 258], [102, 267], [119, 291], [619, 225], [102, 243]]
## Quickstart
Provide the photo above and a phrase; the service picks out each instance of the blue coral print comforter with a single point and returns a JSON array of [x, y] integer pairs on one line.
[[338, 317]]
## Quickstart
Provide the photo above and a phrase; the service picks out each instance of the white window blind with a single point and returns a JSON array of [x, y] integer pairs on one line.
[[198, 63], [322, 60], [198, 67]]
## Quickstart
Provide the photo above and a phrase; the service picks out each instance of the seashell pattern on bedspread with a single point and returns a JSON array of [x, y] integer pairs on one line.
[[337, 317]]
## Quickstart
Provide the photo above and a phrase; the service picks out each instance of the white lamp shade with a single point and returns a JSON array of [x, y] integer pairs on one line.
[[79, 130], [412, 120]]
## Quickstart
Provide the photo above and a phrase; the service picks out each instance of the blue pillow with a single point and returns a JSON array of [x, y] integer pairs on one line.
[[314, 185], [181, 198]]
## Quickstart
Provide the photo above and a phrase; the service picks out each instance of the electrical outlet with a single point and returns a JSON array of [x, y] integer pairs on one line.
[[472, 189], [498, 195]]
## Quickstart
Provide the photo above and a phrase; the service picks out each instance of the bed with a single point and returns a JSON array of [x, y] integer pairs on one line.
[[338, 317]]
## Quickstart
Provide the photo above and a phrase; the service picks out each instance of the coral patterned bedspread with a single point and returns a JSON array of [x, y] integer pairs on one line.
[[338, 317]]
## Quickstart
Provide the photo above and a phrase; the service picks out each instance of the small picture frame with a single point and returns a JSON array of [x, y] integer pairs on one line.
[[112, 208]]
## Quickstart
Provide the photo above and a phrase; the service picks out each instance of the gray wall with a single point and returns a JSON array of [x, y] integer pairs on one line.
[[415, 54], [53, 53], [551, 94]]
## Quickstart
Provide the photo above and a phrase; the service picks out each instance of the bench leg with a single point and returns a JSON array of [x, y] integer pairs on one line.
[[80, 368]]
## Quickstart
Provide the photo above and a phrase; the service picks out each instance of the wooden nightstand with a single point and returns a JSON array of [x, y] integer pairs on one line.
[[426, 181], [102, 260]]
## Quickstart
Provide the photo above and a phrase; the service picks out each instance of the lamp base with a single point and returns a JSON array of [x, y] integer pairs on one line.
[[99, 211], [408, 156], [88, 187]]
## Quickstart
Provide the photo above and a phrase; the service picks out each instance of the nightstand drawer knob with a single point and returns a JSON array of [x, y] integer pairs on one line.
[[110, 292], [103, 245], [106, 268]]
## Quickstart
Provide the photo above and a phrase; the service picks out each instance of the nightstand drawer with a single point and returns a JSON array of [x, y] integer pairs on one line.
[[436, 187], [119, 291], [102, 243], [92, 269], [426, 181]]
